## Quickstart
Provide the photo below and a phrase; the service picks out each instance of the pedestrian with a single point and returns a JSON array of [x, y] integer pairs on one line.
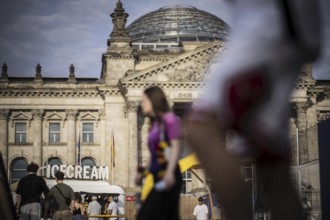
[[94, 208], [78, 210], [164, 143], [61, 196], [28, 194], [248, 93], [201, 212], [112, 208]]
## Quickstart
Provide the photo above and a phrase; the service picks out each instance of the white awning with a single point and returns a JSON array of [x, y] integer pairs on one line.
[[89, 186]]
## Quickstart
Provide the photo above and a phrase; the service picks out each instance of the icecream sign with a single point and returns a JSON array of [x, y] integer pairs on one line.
[[77, 172]]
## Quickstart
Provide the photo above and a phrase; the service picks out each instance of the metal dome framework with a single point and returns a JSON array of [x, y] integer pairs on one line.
[[178, 23]]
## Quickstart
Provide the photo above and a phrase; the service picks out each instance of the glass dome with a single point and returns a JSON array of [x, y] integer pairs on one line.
[[177, 23]]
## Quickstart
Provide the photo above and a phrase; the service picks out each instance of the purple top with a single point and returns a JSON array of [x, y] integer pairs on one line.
[[173, 131]]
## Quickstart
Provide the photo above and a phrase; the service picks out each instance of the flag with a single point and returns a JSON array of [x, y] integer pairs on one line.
[[113, 149], [78, 145]]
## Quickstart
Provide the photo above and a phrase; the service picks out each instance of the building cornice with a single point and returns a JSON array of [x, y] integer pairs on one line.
[[304, 86], [109, 91], [47, 93], [119, 56], [169, 85], [315, 92], [154, 59], [24, 92], [305, 82]]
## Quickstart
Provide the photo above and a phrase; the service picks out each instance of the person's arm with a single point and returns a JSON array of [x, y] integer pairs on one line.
[[72, 200], [194, 213], [44, 187], [109, 210], [176, 149], [18, 202], [89, 209], [105, 208], [174, 134], [82, 207], [72, 205], [169, 177]]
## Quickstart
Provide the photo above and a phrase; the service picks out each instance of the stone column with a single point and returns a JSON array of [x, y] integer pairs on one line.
[[301, 108], [293, 140], [71, 142], [144, 140], [37, 115], [103, 153], [132, 108], [4, 113], [139, 136]]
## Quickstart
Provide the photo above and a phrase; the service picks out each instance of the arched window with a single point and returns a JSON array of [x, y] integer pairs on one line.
[[88, 161], [54, 161], [18, 169]]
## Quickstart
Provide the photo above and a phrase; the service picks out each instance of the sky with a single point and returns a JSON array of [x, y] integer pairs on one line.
[[58, 33]]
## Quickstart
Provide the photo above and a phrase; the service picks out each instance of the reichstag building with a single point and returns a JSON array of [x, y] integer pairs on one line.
[[44, 120]]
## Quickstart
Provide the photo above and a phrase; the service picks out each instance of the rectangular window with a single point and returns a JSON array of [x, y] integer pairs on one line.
[[20, 132], [187, 183], [54, 132], [88, 132]]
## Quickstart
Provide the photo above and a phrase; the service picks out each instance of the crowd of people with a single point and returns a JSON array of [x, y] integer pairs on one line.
[[34, 200]]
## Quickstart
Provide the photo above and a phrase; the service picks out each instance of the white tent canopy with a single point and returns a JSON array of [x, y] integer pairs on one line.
[[94, 187], [89, 186]]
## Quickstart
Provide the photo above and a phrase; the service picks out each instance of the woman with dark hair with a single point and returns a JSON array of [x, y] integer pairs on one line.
[[78, 210], [164, 143]]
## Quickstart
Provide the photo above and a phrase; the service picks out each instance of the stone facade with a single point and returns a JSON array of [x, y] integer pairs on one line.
[[110, 105]]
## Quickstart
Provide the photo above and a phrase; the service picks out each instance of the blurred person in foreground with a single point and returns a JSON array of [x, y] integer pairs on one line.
[[28, 194], [248, 94], [164, 143]]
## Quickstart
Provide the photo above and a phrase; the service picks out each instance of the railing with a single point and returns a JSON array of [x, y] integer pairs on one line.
[[105, 216], [97, 216]]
